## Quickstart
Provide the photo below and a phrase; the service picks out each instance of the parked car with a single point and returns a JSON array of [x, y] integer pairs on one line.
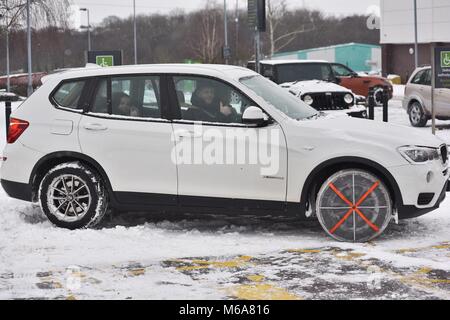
[[361, 84], [87, 141], [417, 100], [336, 101], [314, 80], [19, 82]]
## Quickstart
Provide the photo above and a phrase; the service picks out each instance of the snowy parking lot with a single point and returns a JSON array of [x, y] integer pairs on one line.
[[142, 256]]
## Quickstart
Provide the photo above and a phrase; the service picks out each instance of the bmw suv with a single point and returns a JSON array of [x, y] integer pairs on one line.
[[212, 138]]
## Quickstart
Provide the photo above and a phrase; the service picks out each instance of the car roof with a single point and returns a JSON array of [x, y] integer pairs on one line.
[[293, 61], [423, 68], [206, 69]]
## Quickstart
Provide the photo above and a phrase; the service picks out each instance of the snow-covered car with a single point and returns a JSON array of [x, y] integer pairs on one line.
[[217, 139], [337, 100], [315, 81]]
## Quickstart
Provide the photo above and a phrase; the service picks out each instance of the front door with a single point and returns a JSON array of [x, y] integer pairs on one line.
[[221, 162]]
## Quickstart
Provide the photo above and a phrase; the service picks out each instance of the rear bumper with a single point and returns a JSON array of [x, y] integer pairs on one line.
[[17, 190]]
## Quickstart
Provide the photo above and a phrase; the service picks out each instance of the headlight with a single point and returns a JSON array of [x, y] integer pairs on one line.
[[308, 100], [348, 98], [419, 154]]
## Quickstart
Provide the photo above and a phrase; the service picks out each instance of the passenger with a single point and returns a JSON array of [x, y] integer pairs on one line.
[[208, 106], [122, 106]]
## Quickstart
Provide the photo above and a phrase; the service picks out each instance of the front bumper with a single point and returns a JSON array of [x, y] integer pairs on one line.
[[409, 212], [412, 182]]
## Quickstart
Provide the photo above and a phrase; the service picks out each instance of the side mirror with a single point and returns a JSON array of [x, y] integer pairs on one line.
[[254, 115]]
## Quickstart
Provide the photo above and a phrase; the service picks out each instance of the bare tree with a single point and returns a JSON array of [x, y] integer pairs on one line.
[[276, 11], [44, 12], [206, 42]]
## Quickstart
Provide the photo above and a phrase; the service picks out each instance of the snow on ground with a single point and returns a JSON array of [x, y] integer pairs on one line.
[[142, 256]]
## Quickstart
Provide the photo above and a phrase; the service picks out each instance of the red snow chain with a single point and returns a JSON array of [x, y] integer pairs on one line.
[[354, 207]]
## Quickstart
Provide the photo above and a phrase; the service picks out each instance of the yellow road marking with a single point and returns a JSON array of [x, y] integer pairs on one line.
[[261, 292], [206, 264], [256, 278], [304, 251]]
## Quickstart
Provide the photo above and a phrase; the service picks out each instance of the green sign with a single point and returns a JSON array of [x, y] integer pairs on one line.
[[442, 67], [104, 61], [445, 59]]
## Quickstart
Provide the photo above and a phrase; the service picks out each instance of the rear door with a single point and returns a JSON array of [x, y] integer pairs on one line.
[[420, 86], [125, 131]]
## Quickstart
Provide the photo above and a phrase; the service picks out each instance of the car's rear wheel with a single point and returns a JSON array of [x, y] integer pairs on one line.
[[378, 95], [354, 205], [417, 116], [73, 196]]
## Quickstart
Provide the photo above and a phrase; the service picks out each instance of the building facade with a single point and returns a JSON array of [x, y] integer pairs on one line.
[[397, 33], [357, 56]]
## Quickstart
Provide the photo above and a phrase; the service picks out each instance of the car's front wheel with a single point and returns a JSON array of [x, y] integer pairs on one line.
[[354, 205], [417, 116], [73, 196]]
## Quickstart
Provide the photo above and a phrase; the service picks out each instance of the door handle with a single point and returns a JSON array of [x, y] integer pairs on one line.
[[95, 127], [189, 134]]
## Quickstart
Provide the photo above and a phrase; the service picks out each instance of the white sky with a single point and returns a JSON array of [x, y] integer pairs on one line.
[[100, 9]]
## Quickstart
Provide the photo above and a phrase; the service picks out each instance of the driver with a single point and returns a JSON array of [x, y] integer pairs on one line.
[[208, 106]]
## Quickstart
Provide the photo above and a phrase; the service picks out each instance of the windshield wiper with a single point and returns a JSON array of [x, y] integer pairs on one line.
[[314, 116]]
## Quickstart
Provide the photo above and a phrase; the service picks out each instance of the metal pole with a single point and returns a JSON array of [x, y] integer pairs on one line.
[[30, 66], [433, 86], [416, 39], [7, 115], [225, 26], [237, 32], [89, 30], [371, 103], [385, 104], [257, 50], [135, 32], [8, 80]]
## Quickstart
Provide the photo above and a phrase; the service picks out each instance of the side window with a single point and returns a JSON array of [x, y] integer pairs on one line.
[[427, 77], [136, 96], [419, 78], [203, 99], [68, 94], [341, 71]]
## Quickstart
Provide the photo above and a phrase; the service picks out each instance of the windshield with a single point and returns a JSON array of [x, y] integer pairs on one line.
[[304, 72], [281, 99]]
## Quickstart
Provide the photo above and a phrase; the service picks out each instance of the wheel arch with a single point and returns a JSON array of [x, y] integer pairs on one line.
[[319, 175], [53, 159], [413, 99]]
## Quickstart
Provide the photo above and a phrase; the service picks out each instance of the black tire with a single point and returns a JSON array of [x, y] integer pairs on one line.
[[354, 205], [417, 116], [378, 95], [73, 196]]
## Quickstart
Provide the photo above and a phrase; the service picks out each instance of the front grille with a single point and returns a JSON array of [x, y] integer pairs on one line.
[[425, 199], [444, 154], [328, 101]]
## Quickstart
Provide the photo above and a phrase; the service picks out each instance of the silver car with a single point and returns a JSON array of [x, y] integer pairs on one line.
[[417, 101]]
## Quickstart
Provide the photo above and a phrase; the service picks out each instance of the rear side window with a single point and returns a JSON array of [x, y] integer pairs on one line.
[[68, 94], [128, 96]]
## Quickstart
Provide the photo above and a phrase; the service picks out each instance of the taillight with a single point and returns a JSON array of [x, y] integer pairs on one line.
[[16, 128]]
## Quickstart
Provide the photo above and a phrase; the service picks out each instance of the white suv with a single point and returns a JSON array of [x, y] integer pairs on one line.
[[216, 139]]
